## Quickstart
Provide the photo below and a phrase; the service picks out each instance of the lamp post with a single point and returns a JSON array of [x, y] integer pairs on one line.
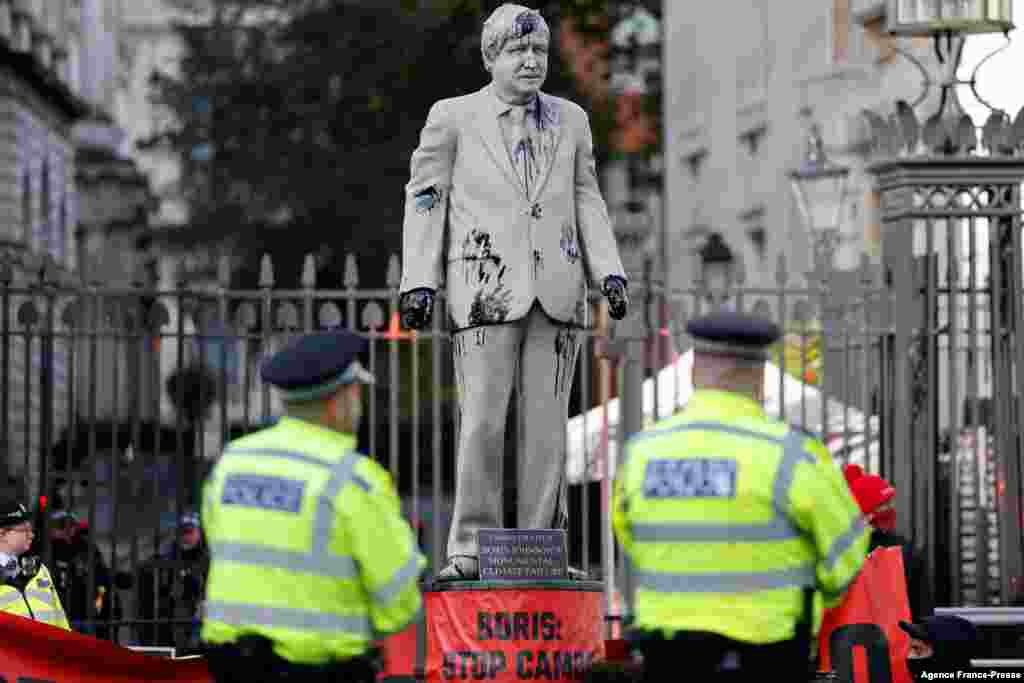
[[819, 187], [717, 264]]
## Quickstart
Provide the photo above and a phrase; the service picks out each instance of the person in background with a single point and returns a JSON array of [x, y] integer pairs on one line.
[[27, 589], [940, 644], [875, 497], [73, 555], [171, 588]]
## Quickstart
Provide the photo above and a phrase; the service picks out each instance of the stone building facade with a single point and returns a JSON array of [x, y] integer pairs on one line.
[[39, 105], [736, 78]]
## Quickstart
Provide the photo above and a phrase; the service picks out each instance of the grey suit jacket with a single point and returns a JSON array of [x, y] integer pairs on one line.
[[470, 224]]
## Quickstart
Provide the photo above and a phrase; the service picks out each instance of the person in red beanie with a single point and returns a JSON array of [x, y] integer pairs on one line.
[[875, 496]]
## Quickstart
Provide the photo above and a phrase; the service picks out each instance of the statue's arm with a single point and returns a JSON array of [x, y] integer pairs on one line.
[[601, 254], [426, 201]]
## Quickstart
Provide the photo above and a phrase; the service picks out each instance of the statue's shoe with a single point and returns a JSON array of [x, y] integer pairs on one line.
[[460, 568], [577, 574]]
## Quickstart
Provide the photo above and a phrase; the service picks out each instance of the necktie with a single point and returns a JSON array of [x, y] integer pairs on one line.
[[522, 156]]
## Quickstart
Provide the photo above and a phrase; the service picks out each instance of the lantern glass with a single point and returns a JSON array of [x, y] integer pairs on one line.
[[820, 197], [934, 17]]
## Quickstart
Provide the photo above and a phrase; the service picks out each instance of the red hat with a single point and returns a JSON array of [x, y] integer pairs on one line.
[[870, 491]]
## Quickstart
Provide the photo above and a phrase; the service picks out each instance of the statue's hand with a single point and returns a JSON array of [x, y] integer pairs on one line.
[[417, 306], [614, 289]]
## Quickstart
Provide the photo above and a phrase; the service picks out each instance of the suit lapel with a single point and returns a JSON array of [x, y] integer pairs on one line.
[[490, 132], [551, 118]]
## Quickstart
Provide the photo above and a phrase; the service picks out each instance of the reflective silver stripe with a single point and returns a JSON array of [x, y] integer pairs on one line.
[[793, 454], [49, 616], [725, 582], [45, 597], [323, 522], [387, 592], [240, 614], [336, 567], [10, 597], [42, 596], [318, 561], [843, 543], [778, 529], [279, 453], [419, 618], [699, 426]]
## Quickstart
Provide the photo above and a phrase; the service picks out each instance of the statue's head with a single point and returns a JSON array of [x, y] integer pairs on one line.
[[515, 44]]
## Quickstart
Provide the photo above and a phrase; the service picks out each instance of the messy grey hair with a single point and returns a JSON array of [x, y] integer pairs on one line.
[[509, 22]]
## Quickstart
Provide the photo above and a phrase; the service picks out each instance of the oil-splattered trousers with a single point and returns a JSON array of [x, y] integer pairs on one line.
[[537, 356]]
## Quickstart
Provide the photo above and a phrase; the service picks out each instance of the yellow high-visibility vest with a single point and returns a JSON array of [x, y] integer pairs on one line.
[[308, 546], [726, 516], [39, 601]]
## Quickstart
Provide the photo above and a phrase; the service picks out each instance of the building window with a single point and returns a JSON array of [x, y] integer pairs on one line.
[[61, 231], [878, 40], [42, 239], [26, 207], [840, 31]]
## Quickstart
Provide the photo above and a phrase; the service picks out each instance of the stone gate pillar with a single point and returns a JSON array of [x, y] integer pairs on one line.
[[951, 213]]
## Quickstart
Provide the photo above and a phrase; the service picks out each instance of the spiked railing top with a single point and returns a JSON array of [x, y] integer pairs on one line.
[[945, 134]]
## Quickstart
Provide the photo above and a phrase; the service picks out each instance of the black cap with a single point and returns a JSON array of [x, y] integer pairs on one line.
[[945, 630], [316, 365], [13, 513], [734, 334]]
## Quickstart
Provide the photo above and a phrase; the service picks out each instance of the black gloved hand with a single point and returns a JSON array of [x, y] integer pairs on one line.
[[417, 306], [614, 289]]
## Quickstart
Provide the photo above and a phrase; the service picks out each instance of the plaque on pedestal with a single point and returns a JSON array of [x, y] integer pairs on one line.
[[522, 555]]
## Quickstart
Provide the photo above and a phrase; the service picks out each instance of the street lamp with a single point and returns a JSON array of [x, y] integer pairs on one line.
[[716, 265], [819, 186], [948, 17]]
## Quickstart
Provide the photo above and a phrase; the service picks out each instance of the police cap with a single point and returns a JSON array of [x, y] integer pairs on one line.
[[739, 335], [316, 365], [13, 512]]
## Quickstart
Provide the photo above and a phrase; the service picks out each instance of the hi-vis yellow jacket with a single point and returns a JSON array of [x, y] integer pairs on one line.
[[39, 601], [726, 515], [308, 546]]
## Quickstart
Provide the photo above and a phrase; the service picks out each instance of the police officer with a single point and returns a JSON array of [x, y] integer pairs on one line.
[[310, 557], [27, 589], [736, 527]]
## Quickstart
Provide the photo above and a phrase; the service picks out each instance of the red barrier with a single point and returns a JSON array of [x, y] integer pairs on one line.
[[31, 651], [501, 634], [861, 639]]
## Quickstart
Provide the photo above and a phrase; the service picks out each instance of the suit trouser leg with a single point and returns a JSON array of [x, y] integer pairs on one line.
[[548, 366], [486, 363]]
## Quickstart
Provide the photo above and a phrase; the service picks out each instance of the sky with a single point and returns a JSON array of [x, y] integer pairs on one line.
[[999, 80]]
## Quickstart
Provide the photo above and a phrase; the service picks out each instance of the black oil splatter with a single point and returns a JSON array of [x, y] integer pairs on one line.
[[480, 263], [491, 307], [568, 245], [538, 263], [480, 336], [544, 115], [565, 353], [426, 200]]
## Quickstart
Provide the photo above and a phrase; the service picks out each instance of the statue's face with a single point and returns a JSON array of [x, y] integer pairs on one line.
[[519, 70]]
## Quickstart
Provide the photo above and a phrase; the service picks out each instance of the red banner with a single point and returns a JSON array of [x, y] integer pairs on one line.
[[31, 651], [511, 634], [861, 640]]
